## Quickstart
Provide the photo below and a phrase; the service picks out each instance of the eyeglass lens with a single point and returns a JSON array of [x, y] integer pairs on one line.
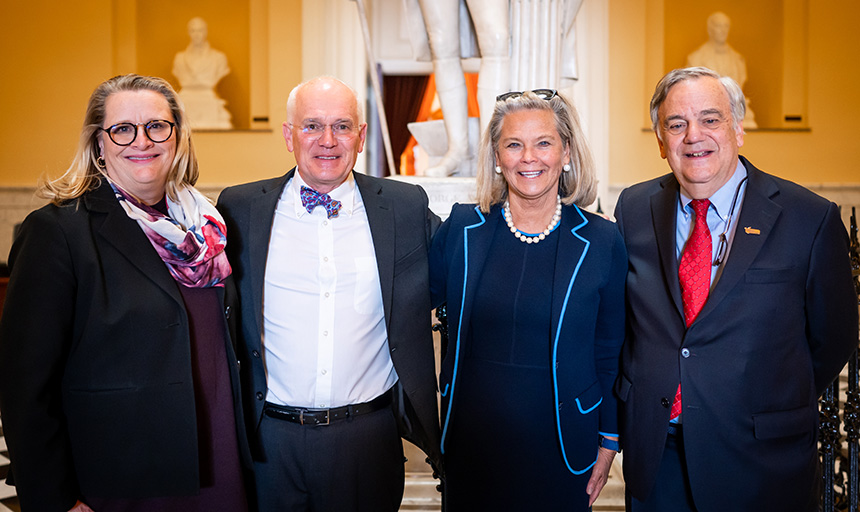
[[123, 134], [340, 130]]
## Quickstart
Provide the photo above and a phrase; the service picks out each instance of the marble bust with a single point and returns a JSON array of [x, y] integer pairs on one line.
[[718, 55], [199, 68]]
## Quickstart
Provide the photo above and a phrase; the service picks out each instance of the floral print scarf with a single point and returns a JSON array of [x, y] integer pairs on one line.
[[190, 239]]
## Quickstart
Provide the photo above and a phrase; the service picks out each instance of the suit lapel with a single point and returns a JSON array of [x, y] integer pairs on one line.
[[477, 237], [758, 212], [572, 247], [380, 218], [664, 206], [260, 220], [128, 238]]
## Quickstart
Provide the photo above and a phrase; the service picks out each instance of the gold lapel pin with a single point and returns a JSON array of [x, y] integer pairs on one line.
[[752, 231]]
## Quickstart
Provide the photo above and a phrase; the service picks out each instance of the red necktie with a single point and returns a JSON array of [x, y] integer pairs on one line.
[[694, 274]]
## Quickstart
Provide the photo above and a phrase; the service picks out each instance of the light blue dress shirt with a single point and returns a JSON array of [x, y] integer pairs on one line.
[[719, 214]]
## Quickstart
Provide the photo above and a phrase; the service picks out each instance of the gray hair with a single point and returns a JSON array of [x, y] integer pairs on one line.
[[736, 95], [579, 185]]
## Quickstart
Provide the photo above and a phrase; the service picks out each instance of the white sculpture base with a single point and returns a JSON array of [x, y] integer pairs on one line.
[[443, 192], [205, 109], [433, 139]]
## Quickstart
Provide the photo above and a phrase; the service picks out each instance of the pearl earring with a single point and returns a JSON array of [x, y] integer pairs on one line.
[[565, 167], [498, 169]]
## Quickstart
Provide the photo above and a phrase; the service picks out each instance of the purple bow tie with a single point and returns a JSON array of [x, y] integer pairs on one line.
[[311, 199]]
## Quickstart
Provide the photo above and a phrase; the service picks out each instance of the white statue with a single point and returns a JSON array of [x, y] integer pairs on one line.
[[536, 49], [441, 19], [199, 68], [718, 55]]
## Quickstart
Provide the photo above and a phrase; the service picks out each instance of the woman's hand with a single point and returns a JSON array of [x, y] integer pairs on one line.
[[80, 507], [599, 474]]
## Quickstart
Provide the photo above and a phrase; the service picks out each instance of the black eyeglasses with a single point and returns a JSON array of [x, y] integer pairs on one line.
[[123, 134], [544, 94], [723, 244]]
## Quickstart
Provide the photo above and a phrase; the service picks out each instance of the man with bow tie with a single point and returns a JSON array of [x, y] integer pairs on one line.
[[740, 312], [333, 281]]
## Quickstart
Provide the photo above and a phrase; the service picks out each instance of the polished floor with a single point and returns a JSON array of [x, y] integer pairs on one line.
[[420, 492]]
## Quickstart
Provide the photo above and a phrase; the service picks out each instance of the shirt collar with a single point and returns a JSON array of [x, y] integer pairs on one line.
[[721, 200], [345, 193]]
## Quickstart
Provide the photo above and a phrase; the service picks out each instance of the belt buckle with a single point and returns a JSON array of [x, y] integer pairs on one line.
[[302, 417]]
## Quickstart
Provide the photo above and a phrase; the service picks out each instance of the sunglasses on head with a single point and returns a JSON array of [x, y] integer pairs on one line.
[[544, 94]]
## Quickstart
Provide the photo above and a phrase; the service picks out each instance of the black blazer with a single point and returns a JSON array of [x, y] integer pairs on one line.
[[401, 226], [96, 387], [777, 328], [587, 318]]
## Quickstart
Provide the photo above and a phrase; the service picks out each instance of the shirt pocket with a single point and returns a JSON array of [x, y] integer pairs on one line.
[[368, 295]]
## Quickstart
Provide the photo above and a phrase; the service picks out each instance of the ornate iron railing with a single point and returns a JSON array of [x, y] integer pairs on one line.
[[840, 459]]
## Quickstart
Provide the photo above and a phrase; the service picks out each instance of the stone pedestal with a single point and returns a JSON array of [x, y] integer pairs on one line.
[[443, 192], [433, 139]]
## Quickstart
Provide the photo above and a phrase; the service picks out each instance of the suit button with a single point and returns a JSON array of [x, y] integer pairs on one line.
[[664, 402], [259, 395], [255, 353], [227, 312], [685, 353]]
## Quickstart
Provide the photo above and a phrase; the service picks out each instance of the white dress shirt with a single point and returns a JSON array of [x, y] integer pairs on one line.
[[324, 330]]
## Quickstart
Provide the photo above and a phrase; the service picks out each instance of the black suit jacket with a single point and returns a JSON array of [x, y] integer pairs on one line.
[[96, 385], [401, 226], [777, 328]]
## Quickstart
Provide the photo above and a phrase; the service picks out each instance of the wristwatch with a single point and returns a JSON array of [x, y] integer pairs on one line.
[[610, 444]]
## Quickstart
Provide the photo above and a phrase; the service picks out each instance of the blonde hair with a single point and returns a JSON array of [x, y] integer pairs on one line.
[[578, 186], [84, 173]]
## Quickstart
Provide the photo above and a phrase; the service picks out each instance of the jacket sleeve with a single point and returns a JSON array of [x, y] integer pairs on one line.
[[831, 302], [439, 265], [35, 338], [609, 334]]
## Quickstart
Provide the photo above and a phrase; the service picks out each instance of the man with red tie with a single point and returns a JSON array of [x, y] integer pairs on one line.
[[741, 310], [337, 351]]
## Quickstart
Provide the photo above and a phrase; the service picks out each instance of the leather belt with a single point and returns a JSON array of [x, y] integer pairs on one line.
[[304, 416]]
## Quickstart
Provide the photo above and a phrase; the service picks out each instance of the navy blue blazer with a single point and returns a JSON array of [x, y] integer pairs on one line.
[[776, 329], [587, 318]]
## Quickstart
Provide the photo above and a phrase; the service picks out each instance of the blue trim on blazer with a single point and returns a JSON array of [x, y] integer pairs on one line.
[[450, 386], [586, 411], [555, 347]]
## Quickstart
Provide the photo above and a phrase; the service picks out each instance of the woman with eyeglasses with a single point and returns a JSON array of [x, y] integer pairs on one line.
[[534, 287], [118, 378]]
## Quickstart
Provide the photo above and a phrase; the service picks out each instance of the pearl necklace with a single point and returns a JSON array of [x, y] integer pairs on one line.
[[556, 218]]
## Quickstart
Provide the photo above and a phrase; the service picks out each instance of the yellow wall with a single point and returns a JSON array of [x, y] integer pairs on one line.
[[686, 29], [53, 54], [824, 154]]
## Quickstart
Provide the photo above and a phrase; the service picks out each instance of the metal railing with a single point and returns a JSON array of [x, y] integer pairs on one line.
[[840, 459]]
